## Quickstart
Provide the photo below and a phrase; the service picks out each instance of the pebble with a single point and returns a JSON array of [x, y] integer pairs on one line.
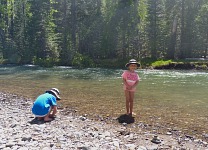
[[20, 131]]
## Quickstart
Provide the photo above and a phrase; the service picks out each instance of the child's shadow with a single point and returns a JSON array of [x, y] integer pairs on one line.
[[36, 121], [125, 119]]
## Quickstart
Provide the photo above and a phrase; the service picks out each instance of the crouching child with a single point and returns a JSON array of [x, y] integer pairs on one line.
[[45, 106]]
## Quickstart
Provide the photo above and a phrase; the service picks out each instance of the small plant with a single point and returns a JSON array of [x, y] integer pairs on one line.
[[204, 67], [201, 67]]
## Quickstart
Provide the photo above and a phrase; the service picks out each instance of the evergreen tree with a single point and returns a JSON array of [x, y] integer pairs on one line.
[[41, 29]]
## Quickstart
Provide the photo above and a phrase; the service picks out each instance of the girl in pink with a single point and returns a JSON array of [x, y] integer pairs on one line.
[[130, 80]]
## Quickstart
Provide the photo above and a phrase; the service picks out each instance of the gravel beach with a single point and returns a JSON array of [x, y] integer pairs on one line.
[[19, 130]]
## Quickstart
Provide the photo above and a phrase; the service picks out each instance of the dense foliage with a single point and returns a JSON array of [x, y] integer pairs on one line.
[[81, 32]]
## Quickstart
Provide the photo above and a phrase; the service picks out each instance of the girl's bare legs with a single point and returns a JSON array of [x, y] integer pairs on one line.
[[131, 102], [127, 101], [40, 118], [47, 118], [52, 113]]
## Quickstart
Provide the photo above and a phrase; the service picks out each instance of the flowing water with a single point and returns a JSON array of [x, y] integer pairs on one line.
[[172, 98]]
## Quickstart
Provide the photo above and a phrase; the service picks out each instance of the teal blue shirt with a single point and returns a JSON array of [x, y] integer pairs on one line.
[[43, 103]]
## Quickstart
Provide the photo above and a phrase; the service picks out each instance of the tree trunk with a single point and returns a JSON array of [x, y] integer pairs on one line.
[[74, 24], [182, 55], [154, 33], [11, 29], [4, 18], [65, 53], [172, 45]]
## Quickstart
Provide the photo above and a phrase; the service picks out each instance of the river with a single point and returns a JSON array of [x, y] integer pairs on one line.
[[172, 98]]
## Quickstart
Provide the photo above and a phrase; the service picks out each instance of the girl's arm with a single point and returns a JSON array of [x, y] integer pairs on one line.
[[127, 85], [135, 84], [137, 81], [54, 111]]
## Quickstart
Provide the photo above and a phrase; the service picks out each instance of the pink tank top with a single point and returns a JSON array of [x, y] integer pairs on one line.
[[131, 78]]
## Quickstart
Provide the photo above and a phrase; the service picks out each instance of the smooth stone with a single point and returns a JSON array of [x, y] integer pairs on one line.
[[10, 144], [152, 147], [141, 148], [169, 133], [7, 148], [130, 146], [107, 134], [28, 138], [24, 148], [2, 141], [21, 143], [206, 135], [46, 148], [108, 138], [2, 146], [115, 143]]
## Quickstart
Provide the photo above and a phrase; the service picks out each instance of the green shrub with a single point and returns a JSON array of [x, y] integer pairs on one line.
[[147, 61], [46, 62], [161, 63], [15, 58], [201, 66], [82, 61]]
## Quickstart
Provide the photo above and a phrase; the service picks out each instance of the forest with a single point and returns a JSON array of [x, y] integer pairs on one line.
[[88, 32]]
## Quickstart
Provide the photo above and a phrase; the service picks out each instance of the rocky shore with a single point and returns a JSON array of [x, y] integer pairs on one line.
[[19, 130]]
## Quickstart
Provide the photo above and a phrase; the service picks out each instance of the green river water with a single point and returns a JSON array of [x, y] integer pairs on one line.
[[173, 98]]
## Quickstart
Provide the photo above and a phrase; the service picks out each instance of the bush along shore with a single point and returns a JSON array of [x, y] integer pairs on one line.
[[184, 65], [146, 63], [68, 131]]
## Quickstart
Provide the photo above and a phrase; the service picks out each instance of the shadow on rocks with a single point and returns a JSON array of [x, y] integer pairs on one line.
[[125, 119], [36, 121]]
